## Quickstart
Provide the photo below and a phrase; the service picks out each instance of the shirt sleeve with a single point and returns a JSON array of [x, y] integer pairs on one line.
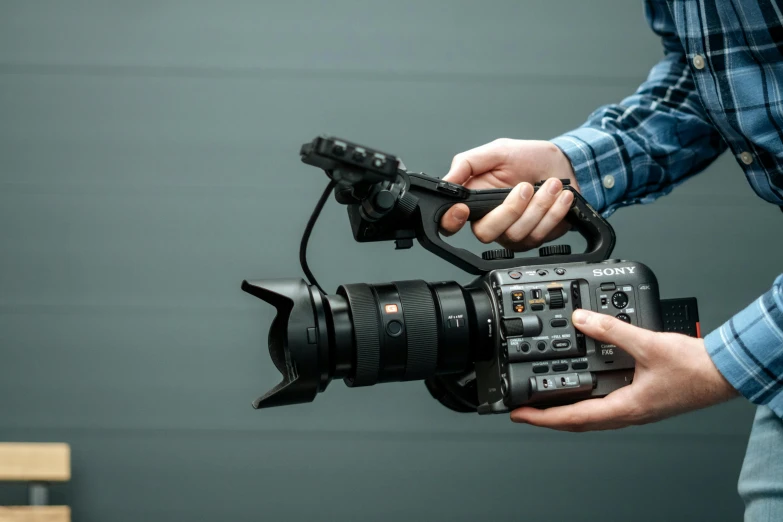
[[748, 349], [639, 149]]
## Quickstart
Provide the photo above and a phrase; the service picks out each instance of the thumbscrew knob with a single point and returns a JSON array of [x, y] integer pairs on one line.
[[500, 253], [554, 250]]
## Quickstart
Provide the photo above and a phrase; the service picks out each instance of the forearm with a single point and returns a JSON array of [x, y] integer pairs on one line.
[[748, 349]]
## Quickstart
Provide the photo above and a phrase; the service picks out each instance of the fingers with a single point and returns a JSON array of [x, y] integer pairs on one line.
[[454, 219], [491, 226], [611, 412], [551, 220], [544, 200], [608, 329], [477, 161]]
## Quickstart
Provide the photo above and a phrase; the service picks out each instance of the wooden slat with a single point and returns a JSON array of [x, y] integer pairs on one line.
[[35, 514], [49, 462]]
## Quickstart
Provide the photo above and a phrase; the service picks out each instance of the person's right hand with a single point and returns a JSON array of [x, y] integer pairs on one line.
[[524, 220]]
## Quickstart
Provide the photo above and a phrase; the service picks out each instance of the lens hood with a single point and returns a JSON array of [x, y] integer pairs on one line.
[[298, 344]]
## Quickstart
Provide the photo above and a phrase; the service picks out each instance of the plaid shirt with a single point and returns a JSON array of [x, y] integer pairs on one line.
[[719, 86]]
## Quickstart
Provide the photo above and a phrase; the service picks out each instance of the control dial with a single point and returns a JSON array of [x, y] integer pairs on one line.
[[620, 300], [527, 326], [556, 298]]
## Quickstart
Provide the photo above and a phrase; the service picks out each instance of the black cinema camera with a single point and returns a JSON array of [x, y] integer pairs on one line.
[[502, 341]]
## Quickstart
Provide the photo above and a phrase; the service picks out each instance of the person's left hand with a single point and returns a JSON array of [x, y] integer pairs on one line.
[[674, 374]]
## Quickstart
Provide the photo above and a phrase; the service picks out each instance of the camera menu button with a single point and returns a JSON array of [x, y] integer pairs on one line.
[[561, 344]]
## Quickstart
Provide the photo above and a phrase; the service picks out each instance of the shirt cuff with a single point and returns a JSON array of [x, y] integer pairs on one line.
[[748, 349], [601, 168]]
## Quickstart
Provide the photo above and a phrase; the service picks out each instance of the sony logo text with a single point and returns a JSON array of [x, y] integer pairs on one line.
[[598, 272]]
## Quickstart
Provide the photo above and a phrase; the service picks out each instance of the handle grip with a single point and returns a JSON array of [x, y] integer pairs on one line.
[[598, 234], [483, 202]]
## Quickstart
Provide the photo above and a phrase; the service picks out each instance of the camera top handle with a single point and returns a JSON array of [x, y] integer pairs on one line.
[[386, 203]]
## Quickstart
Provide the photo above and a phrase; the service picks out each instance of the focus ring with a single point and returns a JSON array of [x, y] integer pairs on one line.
[[421, 328], [364, 312]]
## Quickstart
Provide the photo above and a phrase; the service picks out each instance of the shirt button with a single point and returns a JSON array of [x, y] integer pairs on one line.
[[698, 61], [608, 181], [746, 157]]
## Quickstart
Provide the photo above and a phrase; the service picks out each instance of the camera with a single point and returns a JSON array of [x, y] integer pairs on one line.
[[501, 341]]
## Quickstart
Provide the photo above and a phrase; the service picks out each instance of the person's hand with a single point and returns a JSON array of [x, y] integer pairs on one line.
[[674, 374], [524, 220]]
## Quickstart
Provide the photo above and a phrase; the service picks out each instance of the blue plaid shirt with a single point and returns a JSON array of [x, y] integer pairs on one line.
[[719, 86]]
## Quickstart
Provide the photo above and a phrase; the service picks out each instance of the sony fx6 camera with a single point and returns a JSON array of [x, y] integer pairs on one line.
[[502, 341]]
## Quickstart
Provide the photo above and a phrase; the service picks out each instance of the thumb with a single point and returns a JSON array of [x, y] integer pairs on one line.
[[608, 329], [454, 219]]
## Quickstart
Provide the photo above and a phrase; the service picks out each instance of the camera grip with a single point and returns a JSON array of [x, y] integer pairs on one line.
[[598, 234], [482, 202], [582, 218]]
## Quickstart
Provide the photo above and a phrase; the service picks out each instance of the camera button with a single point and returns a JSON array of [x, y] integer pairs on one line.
[[561, 344], [560, 271], [541, 346], [558, 323], [394, 328], [514, 275], [559, 367], [582, 365], [608, 286], [542, 273], [453, 189], [541, 368]]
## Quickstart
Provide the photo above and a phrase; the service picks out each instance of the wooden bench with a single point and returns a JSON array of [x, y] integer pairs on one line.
[[38, 464]]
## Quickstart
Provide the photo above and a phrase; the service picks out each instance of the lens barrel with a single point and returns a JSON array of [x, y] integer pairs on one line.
[[369, 334]]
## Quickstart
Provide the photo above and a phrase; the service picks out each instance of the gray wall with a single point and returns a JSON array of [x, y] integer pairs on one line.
[[148, 163]]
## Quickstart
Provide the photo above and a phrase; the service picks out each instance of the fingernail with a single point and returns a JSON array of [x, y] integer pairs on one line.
[[517, 419], [566, 197], [460, 214], [579, 317], [554, 186], [525, 191]]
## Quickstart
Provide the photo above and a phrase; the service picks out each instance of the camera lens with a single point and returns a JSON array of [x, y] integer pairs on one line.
[[410, 330], [368, 334]]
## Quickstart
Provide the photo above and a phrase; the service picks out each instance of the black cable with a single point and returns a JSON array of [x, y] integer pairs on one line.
[[308, 229]]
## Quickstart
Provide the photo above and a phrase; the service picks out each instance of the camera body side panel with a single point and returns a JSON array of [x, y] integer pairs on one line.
[[540, 358]]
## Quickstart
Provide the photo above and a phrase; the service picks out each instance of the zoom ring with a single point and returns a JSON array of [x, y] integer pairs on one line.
[[365, 329], [418, 309]]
